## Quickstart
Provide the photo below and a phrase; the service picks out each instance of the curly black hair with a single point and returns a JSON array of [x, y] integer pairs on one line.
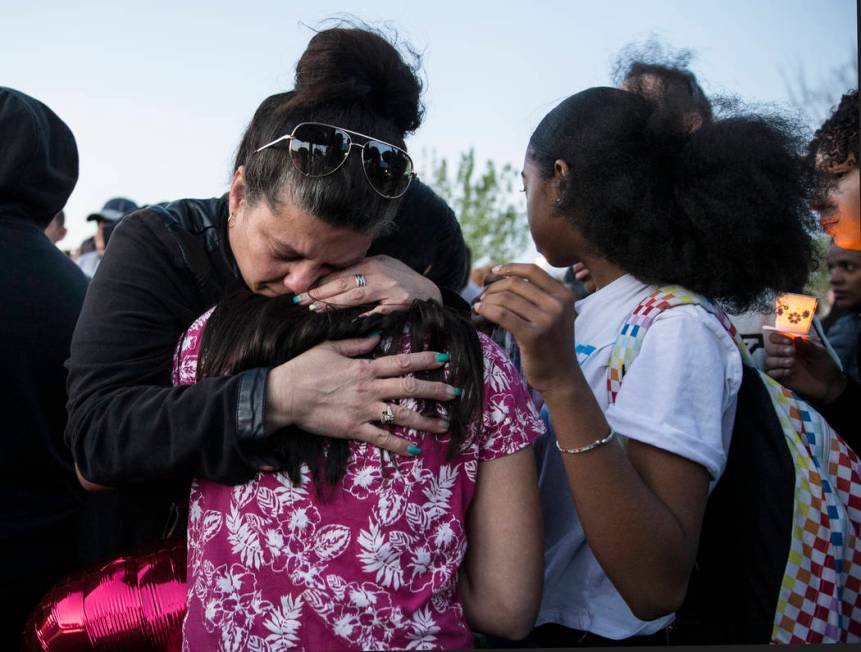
[[722, 211], [660, 74], [836, 141]]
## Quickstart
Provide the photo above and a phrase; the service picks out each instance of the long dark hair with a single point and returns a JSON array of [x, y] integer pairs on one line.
[[247, 331], [722, 211], [349, 77]]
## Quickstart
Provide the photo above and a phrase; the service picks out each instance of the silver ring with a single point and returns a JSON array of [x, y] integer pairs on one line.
[[361, 281], [388, 416]]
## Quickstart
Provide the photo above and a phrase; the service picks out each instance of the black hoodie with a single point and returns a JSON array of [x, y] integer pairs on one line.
[[41, 292]]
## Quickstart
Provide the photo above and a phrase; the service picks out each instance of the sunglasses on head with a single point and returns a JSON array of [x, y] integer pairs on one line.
[[318, 150]]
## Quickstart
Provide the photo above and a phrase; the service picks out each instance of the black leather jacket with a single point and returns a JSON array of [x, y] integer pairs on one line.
[[166, 265]]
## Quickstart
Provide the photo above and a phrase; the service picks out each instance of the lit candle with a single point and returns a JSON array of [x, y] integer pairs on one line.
[[793, 314]]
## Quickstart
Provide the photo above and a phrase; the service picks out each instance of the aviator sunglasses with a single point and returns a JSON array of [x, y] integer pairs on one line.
[[318, 150]]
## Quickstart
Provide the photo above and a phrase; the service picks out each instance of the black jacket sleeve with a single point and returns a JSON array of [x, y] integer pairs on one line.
[[127, 423]]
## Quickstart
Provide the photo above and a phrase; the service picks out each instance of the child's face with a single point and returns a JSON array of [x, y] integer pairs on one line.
[[552, 233], [844, 266]]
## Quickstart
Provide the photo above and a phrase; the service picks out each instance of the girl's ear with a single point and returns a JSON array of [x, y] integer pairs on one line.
[[560, 177]]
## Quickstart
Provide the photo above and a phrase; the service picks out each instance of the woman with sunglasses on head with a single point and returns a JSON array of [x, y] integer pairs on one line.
[[309, 195], [623, 185]]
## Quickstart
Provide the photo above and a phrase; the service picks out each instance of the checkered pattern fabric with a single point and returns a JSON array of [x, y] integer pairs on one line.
[[820, 596]]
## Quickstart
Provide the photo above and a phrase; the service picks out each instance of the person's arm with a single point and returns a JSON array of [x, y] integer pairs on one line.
[[501, 578], [641, 507], [805, 367], [126, 423], [504, 527]]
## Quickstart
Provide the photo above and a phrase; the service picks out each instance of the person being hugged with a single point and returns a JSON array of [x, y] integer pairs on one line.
[[426, 525], [622, 185]]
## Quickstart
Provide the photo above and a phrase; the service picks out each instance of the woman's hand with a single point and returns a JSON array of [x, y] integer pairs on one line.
[[539, 312], [804, 366], [328, 392], [389, 283]]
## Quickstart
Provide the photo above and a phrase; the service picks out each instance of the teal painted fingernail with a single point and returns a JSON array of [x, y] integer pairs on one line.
[[442, 357], [296, 298], [414, 450], [455, 391], [375, 333]]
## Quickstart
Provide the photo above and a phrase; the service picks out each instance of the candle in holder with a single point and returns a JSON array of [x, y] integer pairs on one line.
[[793, 314]]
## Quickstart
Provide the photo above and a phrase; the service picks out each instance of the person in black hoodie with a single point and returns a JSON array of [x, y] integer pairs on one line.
[[41, 292]]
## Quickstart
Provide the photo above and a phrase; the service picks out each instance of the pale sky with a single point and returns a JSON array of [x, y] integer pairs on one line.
[[157, 93]]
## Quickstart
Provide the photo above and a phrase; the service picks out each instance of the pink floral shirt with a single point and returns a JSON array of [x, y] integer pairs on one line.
[[373, 565]]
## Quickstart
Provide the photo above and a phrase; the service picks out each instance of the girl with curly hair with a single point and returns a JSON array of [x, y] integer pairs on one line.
[[625, 186]]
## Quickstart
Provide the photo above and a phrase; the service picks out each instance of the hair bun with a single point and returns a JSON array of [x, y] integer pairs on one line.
[[352, 66]]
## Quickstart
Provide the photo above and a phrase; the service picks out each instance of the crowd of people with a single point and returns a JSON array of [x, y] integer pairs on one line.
[[362, 446]]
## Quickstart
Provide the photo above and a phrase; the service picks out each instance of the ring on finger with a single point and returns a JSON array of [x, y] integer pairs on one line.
[[361, 281], [387, 417]]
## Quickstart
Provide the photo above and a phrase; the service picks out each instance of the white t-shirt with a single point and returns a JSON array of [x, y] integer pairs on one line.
[[678, 395]]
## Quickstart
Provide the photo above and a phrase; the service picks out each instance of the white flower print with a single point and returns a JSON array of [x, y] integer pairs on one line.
[[396, 488], [471, 470], [331, 541], [423, 631], [194, 511], [244, 536], [438, 491], [435, 563], [242, 493], [302, 520], [274, 502], [365, 617], [496, 375], [364, 474], [231, 604], [283, 623], [347, 626], [380, 557], [443, 599]]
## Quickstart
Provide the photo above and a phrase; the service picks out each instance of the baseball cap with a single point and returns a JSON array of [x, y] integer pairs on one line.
[[113, 210]]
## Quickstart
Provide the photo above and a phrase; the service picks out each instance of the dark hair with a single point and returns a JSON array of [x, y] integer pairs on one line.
[[352, 78], [836, 141], [639, 65], [426, 236], [722, 211], [248, 330]]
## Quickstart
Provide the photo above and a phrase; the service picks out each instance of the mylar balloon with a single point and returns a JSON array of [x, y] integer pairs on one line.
[[135, 602]]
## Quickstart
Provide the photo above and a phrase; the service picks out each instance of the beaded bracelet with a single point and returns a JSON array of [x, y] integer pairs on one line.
[[587, 447]]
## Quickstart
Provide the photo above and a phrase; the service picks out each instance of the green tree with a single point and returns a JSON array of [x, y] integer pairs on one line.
[[491, 215], [819, 281]]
